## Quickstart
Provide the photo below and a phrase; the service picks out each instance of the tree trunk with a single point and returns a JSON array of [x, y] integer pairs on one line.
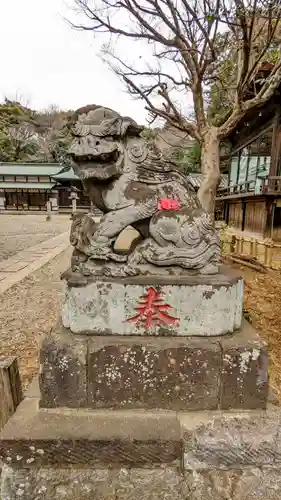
[[210, 167]]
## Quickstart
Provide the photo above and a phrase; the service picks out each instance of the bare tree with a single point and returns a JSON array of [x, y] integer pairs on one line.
[[23, 142], [49, 128], [184, 38], [18, 97]]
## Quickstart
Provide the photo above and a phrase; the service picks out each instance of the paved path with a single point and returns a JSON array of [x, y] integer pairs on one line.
[[20, 265], [29, 310], [19, 232]]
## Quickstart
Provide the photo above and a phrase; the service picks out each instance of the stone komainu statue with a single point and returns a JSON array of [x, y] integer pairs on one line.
[[133, 184]]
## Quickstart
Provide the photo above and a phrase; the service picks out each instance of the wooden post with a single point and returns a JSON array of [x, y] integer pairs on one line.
[[243, 215], [255, 249], [238, 245], [267, 233], [276, 144], [266, 254], [252, 247], [241, 245], [272, 219], [232, 244], [10, 389]]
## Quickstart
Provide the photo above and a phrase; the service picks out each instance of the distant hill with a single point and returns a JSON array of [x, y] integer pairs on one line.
[[29, 135], [42, 136]]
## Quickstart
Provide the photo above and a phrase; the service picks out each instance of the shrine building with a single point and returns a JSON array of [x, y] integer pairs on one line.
[[251, 200], [28, 187]]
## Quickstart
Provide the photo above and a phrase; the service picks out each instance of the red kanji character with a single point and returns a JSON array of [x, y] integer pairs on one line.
[[151, 310]]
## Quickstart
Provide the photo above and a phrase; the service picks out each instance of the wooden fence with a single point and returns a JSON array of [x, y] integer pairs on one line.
[[267, 252], [10, 389]]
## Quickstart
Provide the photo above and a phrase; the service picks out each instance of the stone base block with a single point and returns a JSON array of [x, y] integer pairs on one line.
[[154, 372], [178, 306], [137, 455], [252, 483], [43, 438]]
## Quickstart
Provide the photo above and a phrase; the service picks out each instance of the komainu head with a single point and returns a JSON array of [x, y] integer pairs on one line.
[[99, 140]]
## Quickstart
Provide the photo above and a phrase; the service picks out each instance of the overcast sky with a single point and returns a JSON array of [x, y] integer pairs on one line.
[[45, 62]]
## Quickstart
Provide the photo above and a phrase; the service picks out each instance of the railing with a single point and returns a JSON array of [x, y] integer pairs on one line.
[[243, 187], [269, 185], [273, 185]]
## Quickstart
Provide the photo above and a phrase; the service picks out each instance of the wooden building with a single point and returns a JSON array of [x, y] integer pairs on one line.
[[252, 198], [66, 181], [28, 187]]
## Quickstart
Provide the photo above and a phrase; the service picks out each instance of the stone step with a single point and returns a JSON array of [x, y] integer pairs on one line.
[[226, 372], [83, 454], [133, 483], [139, 438]]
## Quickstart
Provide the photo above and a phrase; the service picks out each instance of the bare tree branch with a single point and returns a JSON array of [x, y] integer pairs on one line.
[[175, 120], [150, 72], [186, 46]]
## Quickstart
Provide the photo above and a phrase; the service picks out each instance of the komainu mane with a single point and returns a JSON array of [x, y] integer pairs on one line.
[[134, 185]]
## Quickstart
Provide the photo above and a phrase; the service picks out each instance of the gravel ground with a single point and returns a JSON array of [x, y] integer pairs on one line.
[[30, 309], [18, 232], [262, 300]]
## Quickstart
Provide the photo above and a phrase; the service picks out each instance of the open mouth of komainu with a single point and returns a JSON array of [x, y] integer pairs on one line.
[[102, 166]]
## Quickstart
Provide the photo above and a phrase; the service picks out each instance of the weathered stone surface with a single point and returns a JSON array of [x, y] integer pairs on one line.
[[149, 484], [165, 483], [141, 188], [230, 439], [63, 378], [153, 373], [126, 240], [91, 484], [250, 483], [200, 306], [244, 375], [278, 447], [57, 484], [140, 455], [63, 437]]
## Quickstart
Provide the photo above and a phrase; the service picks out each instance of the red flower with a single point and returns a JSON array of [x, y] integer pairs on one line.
[[166, 204]]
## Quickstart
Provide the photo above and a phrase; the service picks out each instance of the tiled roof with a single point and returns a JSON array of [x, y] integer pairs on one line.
[[27, 185], [41, 169], [66, 173], [195, 179]]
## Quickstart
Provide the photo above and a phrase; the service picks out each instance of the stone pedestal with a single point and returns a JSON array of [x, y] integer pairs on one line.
[[196, 306], [137, 401], [154, 372]]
